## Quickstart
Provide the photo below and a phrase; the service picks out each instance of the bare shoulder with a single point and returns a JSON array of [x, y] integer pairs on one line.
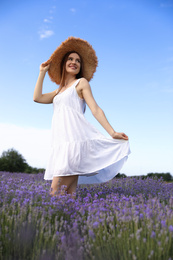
[[83, 84]]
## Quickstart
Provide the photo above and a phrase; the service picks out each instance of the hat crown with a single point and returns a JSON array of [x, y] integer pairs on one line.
[[83, 48]]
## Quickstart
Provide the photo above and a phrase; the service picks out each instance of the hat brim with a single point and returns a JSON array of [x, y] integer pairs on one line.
[[83, 48]]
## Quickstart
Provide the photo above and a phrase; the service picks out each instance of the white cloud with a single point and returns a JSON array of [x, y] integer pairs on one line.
[[32, 143], [45, 33], [73, 10], [47, 21], [52, 10]]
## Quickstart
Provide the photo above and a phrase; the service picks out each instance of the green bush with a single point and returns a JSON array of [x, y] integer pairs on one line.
[[12, 161], [165, 176]]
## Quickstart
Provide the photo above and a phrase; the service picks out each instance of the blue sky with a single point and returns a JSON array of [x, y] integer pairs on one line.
[[133, 83]]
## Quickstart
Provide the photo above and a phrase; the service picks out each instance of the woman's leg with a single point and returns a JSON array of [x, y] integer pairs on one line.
[[69, 183], [55, 186], [72, 189]]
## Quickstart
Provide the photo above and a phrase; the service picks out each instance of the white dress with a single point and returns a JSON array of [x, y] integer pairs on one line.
[[77, 147]]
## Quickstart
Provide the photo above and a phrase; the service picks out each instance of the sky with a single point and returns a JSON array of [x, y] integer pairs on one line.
[[133, 83]]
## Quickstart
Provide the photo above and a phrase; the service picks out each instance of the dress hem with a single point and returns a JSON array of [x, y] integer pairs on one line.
[[92, 173]]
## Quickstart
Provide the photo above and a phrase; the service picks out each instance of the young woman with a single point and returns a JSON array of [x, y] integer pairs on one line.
[[79, 152]]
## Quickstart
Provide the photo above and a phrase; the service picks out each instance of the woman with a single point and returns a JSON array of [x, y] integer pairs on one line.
[[79, 152]]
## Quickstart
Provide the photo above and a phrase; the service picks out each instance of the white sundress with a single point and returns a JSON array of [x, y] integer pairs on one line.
[[77, 147]]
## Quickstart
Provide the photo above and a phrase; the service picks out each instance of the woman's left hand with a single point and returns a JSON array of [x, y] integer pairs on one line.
[[120, 136]]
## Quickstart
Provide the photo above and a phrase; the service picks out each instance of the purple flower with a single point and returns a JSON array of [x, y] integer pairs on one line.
[[153, 234], [141, 216], [95, 224], [63, 239], [74, 223], [163, 223], [91, 234], [170, 228]]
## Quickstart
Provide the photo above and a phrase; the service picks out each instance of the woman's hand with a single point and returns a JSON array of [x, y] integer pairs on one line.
[[120, 136], [39, 97], [44, 67]]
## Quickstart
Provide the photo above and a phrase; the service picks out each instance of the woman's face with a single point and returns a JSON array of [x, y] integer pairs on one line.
[[73, 64]]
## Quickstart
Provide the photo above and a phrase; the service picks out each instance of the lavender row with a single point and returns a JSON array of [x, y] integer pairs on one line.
[[124, 219]]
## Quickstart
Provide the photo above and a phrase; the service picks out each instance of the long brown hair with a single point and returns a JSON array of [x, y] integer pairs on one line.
[[63, 68]]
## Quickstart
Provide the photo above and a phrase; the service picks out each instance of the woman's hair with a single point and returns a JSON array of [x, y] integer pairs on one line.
[[63, 68]]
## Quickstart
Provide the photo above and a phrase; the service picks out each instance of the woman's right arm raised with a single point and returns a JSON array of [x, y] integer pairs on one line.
[[38, 96]]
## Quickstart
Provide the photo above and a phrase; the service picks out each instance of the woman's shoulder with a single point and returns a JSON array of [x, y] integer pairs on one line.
[[83, 82]]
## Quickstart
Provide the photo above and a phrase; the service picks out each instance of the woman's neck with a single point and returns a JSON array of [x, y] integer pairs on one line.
[[69, 79]]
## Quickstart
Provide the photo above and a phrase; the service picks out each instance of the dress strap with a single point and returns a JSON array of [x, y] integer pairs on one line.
[[76, 82]]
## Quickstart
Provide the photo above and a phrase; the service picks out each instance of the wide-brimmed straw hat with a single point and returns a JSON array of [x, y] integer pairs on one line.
[[83, 48]]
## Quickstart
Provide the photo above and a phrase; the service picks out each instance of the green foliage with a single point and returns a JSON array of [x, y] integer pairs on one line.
[[30, 169], [120, 175], [165, 176], [12, 161]]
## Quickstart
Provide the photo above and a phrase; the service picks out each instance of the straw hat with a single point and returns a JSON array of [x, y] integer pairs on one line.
[[83, 48]]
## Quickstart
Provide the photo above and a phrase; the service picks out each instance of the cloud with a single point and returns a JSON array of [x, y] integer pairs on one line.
[[45, 33], [32, 143], [52, 10], [73, 10], [46, 30], [47, 21]]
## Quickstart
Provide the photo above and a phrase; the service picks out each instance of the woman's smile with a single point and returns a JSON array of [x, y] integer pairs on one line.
[[73, 63], [73, 67]]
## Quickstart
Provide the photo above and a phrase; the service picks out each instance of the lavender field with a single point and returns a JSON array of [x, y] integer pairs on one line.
[[124, 219]]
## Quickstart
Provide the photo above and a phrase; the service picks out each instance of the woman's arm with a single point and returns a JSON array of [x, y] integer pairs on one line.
[[97, 111], [38, 96]]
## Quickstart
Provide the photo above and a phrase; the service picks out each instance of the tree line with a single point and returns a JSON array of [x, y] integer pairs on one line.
[[165, 176], [12, 161]]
